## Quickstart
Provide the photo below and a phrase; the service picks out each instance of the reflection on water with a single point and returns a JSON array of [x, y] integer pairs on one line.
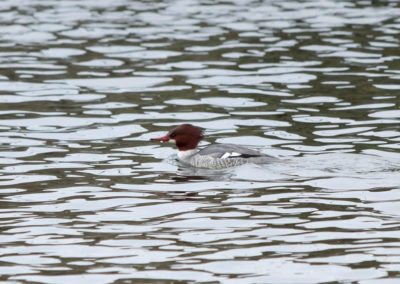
[[86, 198]]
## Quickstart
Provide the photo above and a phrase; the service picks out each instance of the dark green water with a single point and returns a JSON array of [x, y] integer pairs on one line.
[[85, 197]]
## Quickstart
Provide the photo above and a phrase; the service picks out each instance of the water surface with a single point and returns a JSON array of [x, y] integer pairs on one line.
[[87, 198]]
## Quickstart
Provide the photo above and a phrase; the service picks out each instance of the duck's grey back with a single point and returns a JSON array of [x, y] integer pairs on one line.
[[221, 156]]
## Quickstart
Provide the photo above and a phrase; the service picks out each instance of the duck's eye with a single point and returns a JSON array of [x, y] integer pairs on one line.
[[172, 135]]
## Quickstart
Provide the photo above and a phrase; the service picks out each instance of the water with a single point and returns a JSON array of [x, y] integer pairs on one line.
[[87, 198]]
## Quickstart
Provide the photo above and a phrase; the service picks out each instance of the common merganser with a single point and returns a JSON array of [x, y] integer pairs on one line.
[[217, 156]]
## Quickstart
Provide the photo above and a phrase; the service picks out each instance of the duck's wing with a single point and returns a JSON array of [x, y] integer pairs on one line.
[[225, 151]]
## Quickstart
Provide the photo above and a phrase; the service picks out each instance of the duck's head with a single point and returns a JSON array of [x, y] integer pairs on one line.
[[186, 136]]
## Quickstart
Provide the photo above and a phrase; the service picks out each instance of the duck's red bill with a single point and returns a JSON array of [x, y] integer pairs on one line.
[[161, 139]]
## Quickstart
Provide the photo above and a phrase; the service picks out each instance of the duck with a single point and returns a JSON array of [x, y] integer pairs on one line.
[[214, 156]]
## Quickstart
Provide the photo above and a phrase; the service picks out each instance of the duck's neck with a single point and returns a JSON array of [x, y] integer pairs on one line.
[[186, 154]]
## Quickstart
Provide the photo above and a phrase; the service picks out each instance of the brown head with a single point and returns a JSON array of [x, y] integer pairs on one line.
[[186, 136]]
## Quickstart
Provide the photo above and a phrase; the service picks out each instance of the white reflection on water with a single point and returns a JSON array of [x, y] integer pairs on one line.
[[86, 197]]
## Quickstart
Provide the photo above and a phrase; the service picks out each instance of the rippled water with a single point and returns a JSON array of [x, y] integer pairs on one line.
[[87, 198]]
